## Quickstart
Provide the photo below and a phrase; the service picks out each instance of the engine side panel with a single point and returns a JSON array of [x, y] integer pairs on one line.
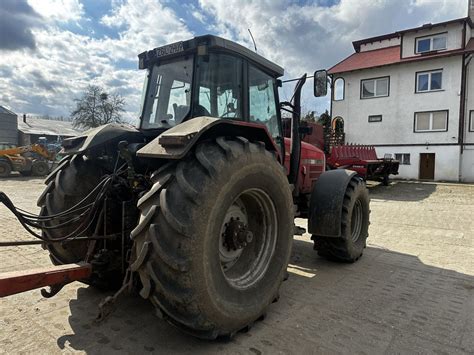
[[312, 165]]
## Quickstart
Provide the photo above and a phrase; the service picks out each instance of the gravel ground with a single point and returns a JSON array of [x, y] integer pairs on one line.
[[412, 292]]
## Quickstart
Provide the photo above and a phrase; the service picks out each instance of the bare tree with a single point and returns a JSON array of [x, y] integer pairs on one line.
[[96, 108], [309, 116]]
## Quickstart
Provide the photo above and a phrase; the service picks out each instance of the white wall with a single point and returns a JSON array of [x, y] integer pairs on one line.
[[454, 40], [380, 44], [467, 158], [467, 164], [446, 161], [469, 136], [398, 109], [469, 33]]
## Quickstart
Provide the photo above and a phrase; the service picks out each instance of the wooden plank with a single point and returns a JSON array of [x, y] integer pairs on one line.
[[21, 281]]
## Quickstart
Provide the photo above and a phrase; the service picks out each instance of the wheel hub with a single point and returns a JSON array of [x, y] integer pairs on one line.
[[248, 238], [237, 235]]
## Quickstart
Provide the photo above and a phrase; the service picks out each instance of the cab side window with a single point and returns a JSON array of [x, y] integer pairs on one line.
[[220, 87], [262, 104]]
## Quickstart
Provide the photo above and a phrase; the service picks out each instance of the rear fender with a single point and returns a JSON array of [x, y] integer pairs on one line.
[[176, 142], [96, 137], [325, 206]]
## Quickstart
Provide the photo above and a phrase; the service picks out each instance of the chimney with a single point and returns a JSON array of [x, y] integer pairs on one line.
[[24, 117], [471, 10]]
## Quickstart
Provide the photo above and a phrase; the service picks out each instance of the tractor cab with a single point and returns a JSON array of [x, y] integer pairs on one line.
[[209, 76], [213, 77]]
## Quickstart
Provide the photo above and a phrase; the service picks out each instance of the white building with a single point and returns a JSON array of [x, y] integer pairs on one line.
[[411, 94]]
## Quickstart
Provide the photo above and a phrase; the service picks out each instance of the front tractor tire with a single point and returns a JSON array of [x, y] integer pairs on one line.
[[349, 247], [214, 237]]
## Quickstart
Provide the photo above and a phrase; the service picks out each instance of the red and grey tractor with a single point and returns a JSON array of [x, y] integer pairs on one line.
[[196, 207]]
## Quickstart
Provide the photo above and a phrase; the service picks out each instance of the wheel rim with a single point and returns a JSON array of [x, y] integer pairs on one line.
[[248, 238], [356, 220], [41, 169]]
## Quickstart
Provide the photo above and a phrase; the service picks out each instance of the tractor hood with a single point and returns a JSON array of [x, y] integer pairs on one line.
[[97, 136]]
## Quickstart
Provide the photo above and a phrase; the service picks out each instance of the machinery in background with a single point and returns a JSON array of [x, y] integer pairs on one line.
[[356, 157], [33, 159]]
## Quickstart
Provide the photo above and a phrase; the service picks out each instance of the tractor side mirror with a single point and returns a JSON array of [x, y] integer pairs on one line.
[[320, 83]]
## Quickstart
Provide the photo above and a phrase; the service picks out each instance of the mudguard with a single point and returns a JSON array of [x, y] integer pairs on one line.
[[325, 206], [177, 141], [98, 136]]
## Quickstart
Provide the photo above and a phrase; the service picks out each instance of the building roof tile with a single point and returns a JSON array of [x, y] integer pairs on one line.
[[388, 56], [368, 59]]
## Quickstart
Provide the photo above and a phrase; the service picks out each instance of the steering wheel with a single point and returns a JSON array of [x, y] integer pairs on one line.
[[228, 113], [230, 109]]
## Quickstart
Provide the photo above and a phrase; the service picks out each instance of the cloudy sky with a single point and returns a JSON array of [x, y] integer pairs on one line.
[[50, 50]]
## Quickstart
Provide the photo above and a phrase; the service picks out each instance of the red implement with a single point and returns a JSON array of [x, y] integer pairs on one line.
[[21, 281]]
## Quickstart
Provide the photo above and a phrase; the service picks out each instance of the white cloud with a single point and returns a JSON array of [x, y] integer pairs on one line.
[[309, 37], [144, 25], [300, 38], [58, 10], [47, 80]]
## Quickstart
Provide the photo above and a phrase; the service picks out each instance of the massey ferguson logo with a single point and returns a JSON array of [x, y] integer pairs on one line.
[[169, 49]]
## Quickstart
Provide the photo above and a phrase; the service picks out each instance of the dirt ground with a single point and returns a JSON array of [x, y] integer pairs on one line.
[[412, 292]]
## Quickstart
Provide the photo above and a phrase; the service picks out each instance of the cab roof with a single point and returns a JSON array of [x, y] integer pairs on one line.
[[201, 45]]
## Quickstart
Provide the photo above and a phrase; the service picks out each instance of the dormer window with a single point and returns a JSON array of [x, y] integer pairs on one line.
[[431, 43]]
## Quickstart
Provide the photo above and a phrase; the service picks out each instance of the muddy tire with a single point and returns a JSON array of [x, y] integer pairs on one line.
[[5, 168], [70, 182], [354, 226], [197, 261], [73, 179]]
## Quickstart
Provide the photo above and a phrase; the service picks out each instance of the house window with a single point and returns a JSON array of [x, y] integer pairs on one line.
[[403, 158], [375, 118], [432, 43], [431, 121], [429, 81], [471, 121], [378, 87], [339, 89]]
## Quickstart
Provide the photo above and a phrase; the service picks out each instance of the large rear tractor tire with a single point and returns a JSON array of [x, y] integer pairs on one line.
[[214, 237], [69, 183], [5, 168], [354, 226]]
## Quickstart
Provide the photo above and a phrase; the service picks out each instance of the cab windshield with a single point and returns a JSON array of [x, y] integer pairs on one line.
[[168, 97]]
